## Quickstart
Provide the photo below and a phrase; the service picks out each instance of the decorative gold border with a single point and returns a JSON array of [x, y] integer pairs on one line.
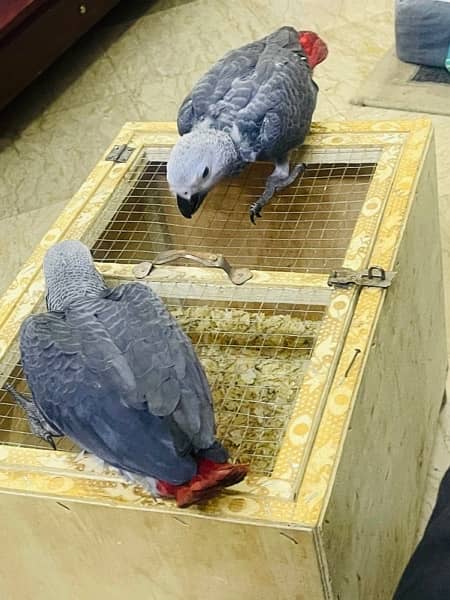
[[294, 453], [318, 481], [36, 476]]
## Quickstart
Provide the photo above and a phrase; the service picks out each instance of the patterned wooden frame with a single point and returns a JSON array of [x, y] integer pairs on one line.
[[298, 490]]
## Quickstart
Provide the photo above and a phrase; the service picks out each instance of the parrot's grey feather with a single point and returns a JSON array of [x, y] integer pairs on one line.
[[174, 371], [262, 94], [185, 117], [118, 375], [214, 85]]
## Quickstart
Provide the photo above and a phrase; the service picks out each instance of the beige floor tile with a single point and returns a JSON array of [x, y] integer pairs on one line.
[[318, 15], [52, 155], [353, 52], [81, 75], [315, 15], [156, 58], [19, 235]]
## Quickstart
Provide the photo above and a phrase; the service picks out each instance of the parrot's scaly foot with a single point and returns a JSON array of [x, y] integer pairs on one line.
[[38, 425], [209, 481], [279, 179], [256, 207]]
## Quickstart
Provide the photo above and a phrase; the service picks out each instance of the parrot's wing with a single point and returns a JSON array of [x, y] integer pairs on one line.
[[214, 85], [284, 37], [279, 113], [80, 381], [185, 119], [262, 93], [168, 373], [83, 348]]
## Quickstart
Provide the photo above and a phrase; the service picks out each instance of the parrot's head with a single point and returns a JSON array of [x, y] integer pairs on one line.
[[313, 46], [70, 274], [199, 160]]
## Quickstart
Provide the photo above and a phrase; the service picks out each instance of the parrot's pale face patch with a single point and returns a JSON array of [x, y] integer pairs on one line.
[[198, 161], [191, 173]]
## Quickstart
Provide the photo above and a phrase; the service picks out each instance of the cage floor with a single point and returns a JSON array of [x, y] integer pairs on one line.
[[254, 355], [305, 228]]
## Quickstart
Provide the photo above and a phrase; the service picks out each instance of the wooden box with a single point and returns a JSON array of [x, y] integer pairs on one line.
[[332, 394]]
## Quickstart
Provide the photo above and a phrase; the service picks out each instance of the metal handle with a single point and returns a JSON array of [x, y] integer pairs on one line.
[[218, 261]]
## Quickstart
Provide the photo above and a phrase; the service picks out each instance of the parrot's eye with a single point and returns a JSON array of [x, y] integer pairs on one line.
[[205, 173]]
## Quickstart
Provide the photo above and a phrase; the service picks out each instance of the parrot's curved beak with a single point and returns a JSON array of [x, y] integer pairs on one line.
[[190, 206]]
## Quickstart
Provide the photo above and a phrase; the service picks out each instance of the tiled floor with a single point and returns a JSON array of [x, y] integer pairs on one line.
[[137, 65]]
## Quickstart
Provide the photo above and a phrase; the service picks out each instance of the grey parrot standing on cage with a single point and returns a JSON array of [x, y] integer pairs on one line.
[[111, 369], [256, 103]]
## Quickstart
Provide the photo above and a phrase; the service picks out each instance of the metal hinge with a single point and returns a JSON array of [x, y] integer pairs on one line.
[[120, 154], [373, 277]]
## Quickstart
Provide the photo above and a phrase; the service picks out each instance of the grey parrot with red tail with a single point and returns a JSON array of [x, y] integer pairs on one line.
[[111, 369], [256, 103]]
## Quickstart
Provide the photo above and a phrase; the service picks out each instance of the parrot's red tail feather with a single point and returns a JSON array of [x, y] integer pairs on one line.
[[210, 480], [314, 47]]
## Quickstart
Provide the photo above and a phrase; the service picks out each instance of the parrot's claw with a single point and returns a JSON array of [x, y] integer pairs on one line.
[[280, 178], [255, 212], [48, 438], [38, 426], [40, 430], [256, 207]]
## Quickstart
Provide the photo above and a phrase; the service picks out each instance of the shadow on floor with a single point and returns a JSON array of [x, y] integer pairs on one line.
[[70, 66]]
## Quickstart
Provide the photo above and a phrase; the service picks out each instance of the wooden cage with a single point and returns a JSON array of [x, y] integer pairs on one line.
[[331, 393]]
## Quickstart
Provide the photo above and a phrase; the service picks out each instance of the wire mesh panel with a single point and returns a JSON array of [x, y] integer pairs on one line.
[[14, 429], [255, 342], [255, 355], [305, 228]]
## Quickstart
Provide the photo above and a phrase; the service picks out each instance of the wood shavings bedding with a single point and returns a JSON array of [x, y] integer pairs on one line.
[[255, 364]]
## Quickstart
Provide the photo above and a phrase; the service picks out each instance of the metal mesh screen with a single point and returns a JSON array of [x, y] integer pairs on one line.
[[14, 428], [255, 355], [255, 347], [306, 227]]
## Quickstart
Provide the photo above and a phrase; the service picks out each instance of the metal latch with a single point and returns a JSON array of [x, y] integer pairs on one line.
[[120, 154], [373, 277], [237, 276]]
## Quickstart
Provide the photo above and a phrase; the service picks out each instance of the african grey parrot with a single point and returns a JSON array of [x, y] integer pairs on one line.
[[111, 369], [256, 103]]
